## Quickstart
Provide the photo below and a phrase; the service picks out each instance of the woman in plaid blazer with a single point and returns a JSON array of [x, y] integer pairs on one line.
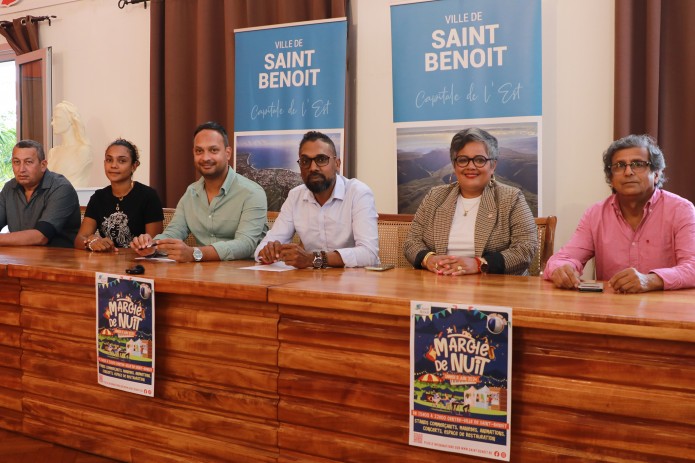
[[476, 224]]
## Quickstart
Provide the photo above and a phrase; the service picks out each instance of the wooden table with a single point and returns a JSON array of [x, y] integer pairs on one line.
[[314, 365]]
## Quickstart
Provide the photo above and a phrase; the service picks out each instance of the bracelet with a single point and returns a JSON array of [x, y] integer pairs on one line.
[[423, 264], [324, 257], [89, 243]]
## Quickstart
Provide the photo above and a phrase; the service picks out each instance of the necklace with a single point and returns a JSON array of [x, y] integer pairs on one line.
[[120, 198], [472, 204]]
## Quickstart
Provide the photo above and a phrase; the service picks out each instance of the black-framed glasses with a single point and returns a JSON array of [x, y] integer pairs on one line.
[[636, 166], [478, 161], [321, 160]]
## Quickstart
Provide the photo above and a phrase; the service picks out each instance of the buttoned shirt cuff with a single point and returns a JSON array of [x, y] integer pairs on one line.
[[352, 257], [672, 277]]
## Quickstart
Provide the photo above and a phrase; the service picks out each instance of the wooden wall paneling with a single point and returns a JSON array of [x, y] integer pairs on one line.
[[145, 455], [288, 456], [189, 441], [10, 313], [10, 353], [600, 397], [610, 392], [10, 336], [216, 386], [11, 392], [337, 356], [326, 444], [10, 357]]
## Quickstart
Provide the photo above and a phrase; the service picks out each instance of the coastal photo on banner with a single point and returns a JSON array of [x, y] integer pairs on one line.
[[290, 79], [460, 64]]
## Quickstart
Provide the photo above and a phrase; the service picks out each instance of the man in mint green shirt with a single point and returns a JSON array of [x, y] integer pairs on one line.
[[225, 211]]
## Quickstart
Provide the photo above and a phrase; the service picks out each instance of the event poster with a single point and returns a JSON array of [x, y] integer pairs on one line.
[[289, 79], [125, 333], [459, 64], [460, 384]]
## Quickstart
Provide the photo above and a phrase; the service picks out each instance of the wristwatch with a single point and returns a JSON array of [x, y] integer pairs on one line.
[[482, 265], [318, 260], [197, 254]]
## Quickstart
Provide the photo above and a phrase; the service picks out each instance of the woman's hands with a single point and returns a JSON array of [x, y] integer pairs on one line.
[[96, 243], [451, 265]]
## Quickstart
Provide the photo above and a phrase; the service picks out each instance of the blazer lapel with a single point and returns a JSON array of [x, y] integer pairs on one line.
[[486, 220], [442, 220]]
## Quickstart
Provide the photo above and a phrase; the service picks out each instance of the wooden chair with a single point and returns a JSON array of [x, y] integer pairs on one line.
[[272, 215], [168, 214], [393, 230], [546, 242]]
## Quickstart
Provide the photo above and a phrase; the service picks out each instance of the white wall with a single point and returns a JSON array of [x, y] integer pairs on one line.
[[101, 63], [577, 105]]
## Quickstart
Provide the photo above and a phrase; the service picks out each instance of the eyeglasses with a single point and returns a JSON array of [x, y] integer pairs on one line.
[[321, 160], [636, 166], [478, 161]]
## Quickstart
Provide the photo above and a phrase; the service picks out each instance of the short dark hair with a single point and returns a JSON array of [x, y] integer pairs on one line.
[[212, 125], [314, 135], [32, 144], [470, 134], [656, 156], [134, 155]]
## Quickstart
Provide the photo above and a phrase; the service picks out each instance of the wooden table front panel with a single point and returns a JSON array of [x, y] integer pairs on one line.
[[10, 354], [215, 388], [578, 395]]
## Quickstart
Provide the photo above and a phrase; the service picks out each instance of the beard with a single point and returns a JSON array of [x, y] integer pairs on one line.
[[319, 186]]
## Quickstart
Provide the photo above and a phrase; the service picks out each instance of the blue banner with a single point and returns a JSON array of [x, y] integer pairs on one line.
[[466, 59], [291, 77]]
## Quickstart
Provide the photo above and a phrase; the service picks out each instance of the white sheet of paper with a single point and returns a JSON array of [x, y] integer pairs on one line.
[[274, 267]]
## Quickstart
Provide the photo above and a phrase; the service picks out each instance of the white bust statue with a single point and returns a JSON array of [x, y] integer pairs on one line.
[[73, 157]]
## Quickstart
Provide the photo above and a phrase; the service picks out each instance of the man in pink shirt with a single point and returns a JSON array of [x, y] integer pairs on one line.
[[643, 238]]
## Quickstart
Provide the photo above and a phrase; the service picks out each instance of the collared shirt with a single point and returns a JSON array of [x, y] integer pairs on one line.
[[346, 223], [233, 223], [53, 209], [664, 242]]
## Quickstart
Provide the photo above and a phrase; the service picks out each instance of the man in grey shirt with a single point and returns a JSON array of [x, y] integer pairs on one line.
[[38, 206]]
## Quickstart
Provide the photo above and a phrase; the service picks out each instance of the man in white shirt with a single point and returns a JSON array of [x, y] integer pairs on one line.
[[335, 217]]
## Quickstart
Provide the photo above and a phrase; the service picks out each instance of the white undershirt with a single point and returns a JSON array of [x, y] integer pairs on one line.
[[462, 234]]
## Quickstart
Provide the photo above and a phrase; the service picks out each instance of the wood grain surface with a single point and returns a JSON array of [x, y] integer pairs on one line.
[[313, 366]]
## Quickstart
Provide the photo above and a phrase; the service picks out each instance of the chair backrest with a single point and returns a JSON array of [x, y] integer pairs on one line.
[[168, 214], [546, 241], [272, 215], [393, 230]]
